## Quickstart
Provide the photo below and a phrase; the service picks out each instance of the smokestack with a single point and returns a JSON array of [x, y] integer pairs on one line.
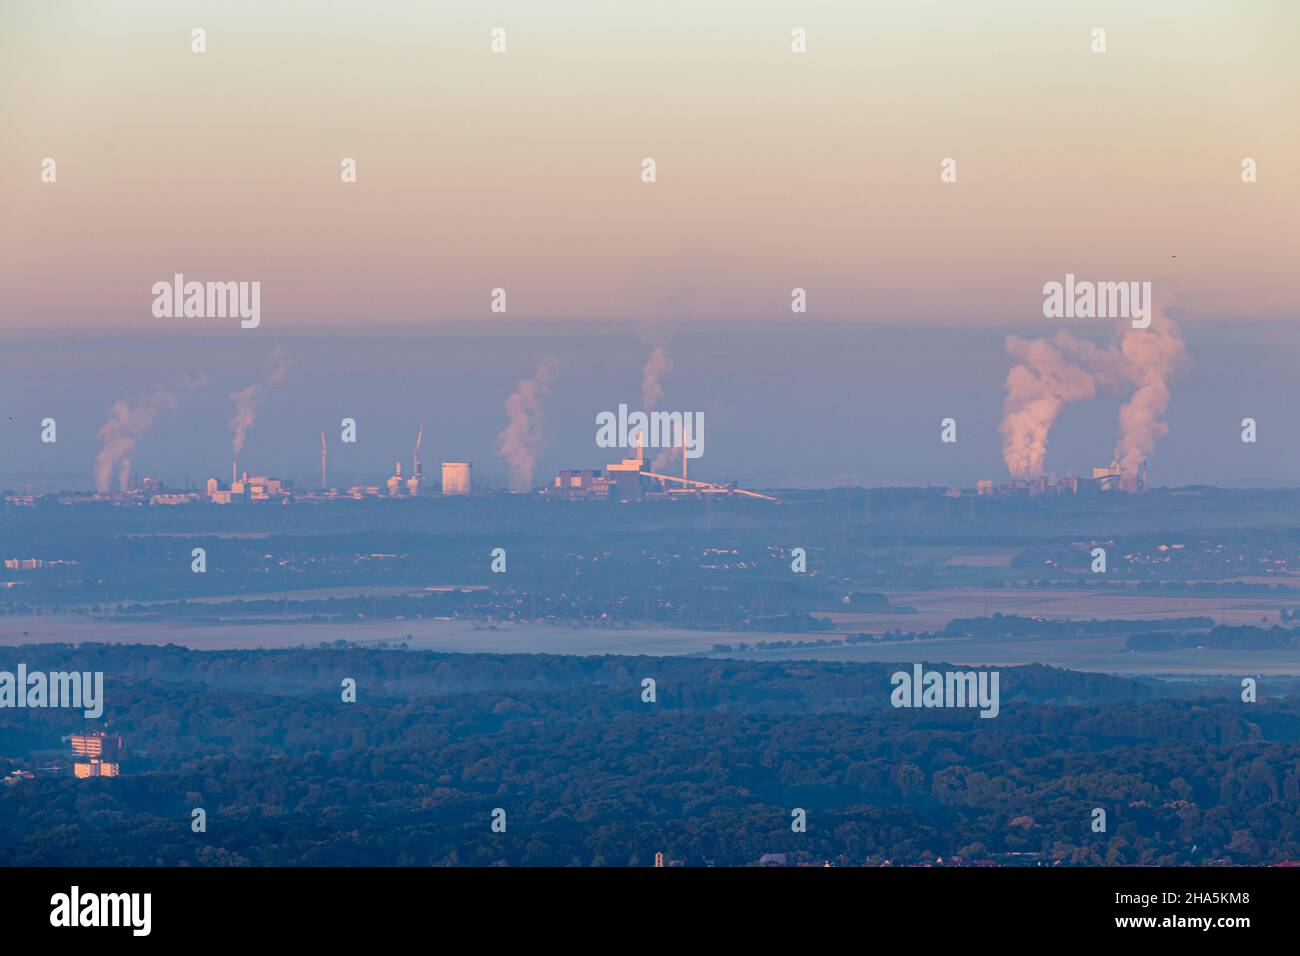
[[324, 453], [416, 470], [234, 471]]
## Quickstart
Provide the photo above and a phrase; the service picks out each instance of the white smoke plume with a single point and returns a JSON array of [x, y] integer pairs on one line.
[[658, 365], [128, 422], [1153, 356], [520, 442], [1054, 372], [248, 401], [1037, 390], [668, 457]]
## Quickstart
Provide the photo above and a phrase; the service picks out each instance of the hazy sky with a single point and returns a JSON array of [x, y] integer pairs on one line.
[[522, 170]]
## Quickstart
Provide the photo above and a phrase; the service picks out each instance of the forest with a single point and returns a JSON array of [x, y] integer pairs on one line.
[[590, 772]]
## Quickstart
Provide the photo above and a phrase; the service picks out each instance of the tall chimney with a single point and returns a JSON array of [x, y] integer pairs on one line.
[[684, 427]]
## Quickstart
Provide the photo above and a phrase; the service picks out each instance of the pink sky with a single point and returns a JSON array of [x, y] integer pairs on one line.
[[521, 170]]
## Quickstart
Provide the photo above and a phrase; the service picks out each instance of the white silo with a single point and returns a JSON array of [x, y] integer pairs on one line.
[[455, 478]]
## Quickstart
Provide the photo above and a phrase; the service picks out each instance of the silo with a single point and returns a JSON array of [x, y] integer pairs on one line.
[[455, 478]]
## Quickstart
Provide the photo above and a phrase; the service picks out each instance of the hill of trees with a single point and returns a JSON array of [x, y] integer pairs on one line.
[[589, 773]]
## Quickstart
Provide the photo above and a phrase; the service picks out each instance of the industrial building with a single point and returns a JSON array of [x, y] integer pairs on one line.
[[631, 479], [455, 477], [397, 487], [1111, 478], [246, 489], [621, 485]]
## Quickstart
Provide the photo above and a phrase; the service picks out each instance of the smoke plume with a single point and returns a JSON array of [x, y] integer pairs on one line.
[[1037, 390], [668, 455], [520, 443], [1153, 356], [248, 401], [127, 423], [656, 367], [1054, 372]]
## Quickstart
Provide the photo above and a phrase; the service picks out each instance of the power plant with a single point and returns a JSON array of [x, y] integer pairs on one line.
[[1107, 479]]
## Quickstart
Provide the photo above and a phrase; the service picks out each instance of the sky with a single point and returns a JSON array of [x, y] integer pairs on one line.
[[522, 170]]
